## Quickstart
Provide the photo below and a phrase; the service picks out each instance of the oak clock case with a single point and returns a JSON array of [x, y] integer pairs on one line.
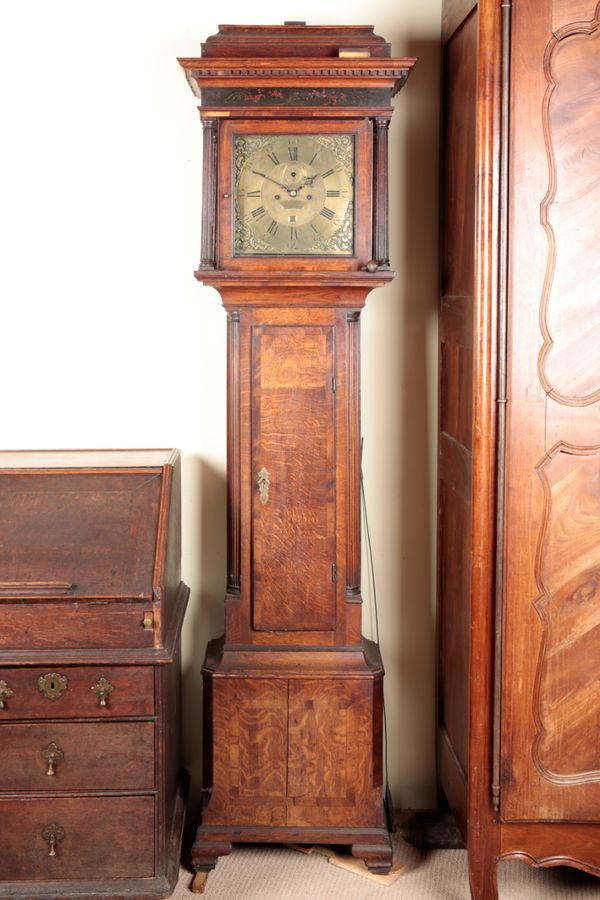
[[294, 237]]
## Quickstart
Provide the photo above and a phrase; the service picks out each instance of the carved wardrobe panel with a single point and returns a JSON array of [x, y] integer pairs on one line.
[[518, 716]]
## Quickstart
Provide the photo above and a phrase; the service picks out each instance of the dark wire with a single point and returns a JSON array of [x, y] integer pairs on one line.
[[371, 568]]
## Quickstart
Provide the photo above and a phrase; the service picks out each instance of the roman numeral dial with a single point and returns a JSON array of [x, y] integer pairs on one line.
[[294, 194]]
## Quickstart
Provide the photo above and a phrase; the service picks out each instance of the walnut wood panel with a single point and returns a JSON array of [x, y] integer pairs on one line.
[[456, 388], [472, 37], [293, 430], [132, 694], [454, 13], [330, 772], [103, 838], [553, 844], [95, 757], [536, 71], [552, 502], [96, 534], [569, 362], [453, 626], [249, 729], [567, 697], [456, 376]]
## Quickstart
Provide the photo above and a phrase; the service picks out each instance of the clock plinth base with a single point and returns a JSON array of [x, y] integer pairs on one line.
[[293, 751], [372, 845]]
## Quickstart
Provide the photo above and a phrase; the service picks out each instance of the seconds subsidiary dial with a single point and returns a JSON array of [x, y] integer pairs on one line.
[[294, 195]]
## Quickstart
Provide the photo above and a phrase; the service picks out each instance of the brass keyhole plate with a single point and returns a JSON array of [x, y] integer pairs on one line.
[[52, 685]]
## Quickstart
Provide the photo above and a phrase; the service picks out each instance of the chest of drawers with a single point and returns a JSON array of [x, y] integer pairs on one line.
[[91, 607]]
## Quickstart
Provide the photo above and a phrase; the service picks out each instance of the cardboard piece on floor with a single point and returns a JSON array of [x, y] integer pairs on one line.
[[358, 867], [350, 864]]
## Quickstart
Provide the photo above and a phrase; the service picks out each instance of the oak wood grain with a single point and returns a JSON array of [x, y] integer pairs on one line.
[[293, 430], [132, 694], [101, 756], [101, 768], [95, 828], [66, 518]]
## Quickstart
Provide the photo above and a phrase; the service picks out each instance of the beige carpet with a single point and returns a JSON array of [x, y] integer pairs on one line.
[[255, 872]]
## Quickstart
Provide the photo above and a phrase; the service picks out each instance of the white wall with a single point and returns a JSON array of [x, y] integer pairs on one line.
[[108, 341]]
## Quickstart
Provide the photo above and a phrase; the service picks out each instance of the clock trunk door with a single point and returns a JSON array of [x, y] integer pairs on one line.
[[293, 412]]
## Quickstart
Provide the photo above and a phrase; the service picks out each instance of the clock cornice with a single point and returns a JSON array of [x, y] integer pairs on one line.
[[295, 78], [387, 74], [328, 58]]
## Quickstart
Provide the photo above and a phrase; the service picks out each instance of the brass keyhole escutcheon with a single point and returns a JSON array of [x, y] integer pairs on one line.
[[53, 834], [52, 754], [5, 693], [52, 685], [103, 688], [263, 482]]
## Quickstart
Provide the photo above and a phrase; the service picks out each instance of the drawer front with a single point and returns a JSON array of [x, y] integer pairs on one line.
[[77, 837], [65, 756], [76, 692], [74, 626]]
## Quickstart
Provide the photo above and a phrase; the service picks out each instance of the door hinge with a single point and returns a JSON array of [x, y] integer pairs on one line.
[[333, 383], [334, 572]]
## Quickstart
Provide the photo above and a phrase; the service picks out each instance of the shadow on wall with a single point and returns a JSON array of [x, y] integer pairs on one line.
[[206, 550], [406, 345], [420, 381]]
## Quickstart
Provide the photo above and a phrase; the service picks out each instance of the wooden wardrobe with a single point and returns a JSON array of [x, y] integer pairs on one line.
[[519, 442]]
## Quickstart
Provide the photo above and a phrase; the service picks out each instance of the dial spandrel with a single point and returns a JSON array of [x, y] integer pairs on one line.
[[294, 195]]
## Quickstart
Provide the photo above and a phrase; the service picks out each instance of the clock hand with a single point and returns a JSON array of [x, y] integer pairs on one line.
[[308, 182], [268, 177]]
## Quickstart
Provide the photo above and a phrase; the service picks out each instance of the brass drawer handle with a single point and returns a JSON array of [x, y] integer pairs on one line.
[[5, 693], [52, 754], [52, 685], [53, 834], [103, 688], [264, 480]]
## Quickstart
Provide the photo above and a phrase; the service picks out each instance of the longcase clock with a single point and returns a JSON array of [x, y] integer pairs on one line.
[[294, 237]]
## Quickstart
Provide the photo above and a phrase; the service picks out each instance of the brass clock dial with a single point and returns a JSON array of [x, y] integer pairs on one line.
[[294, 195]]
